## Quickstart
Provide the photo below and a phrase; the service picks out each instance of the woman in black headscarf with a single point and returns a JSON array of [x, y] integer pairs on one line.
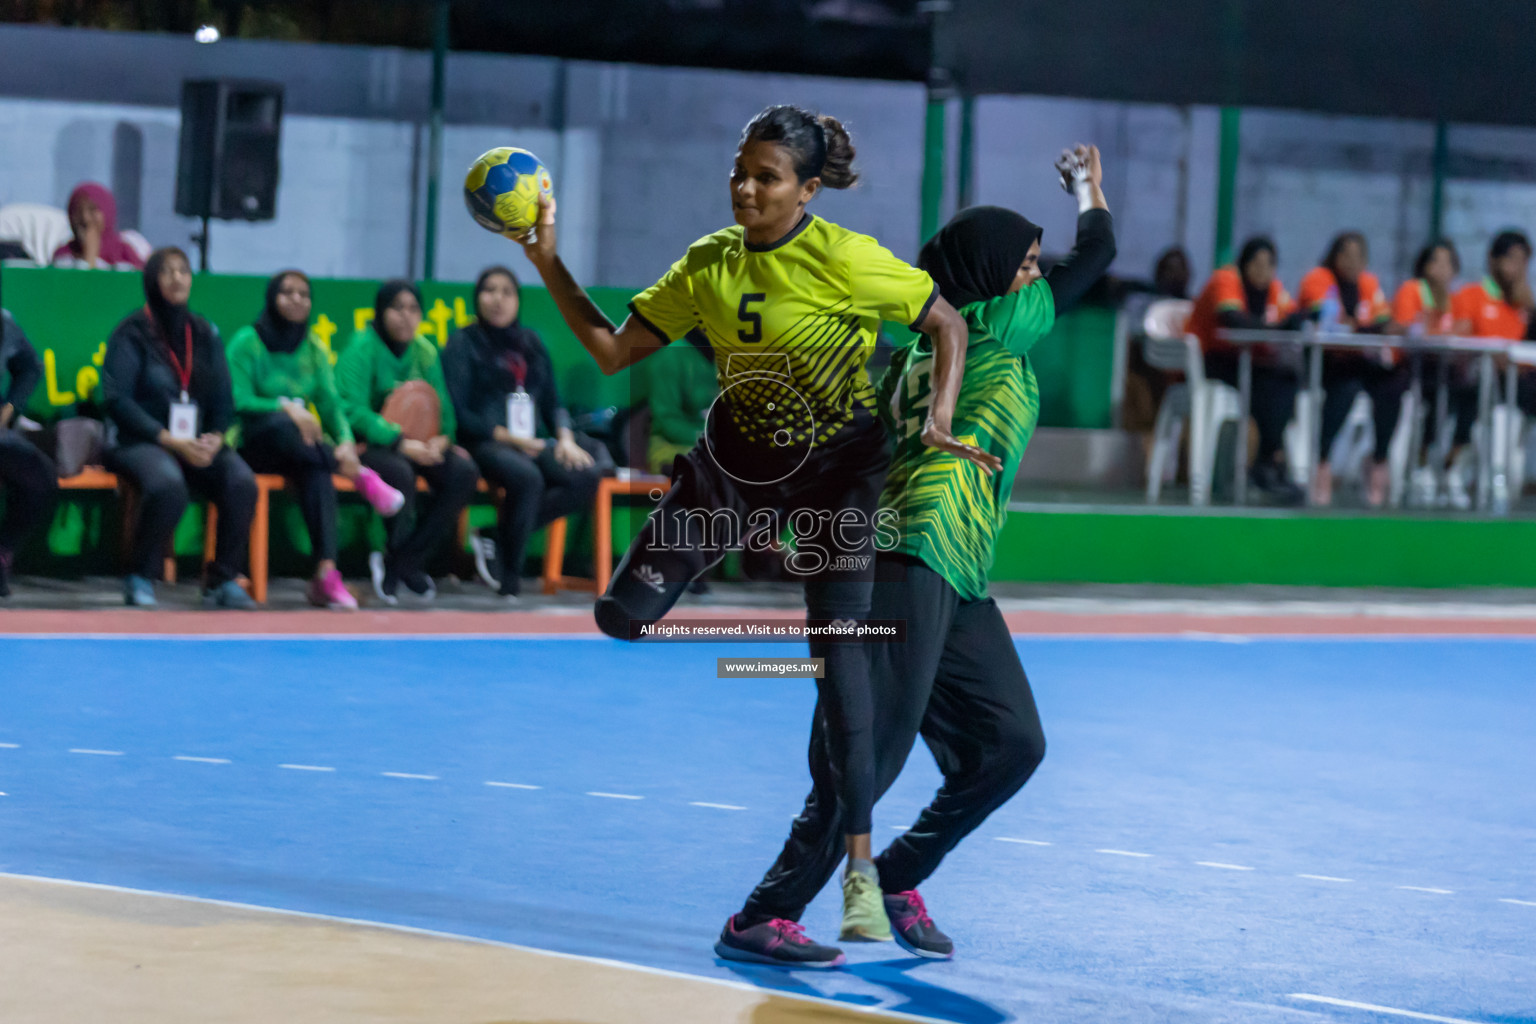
[[510, 419], [956, 674], [166, 391]]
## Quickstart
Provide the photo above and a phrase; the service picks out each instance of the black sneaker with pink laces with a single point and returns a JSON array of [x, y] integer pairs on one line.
[[779, 942], [912, 928]]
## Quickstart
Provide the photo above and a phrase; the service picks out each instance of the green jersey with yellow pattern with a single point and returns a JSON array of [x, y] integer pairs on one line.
[[949, 511], [792, 323]]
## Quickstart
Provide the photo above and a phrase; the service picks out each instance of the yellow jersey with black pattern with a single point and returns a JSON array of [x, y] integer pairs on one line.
[[795, 318]]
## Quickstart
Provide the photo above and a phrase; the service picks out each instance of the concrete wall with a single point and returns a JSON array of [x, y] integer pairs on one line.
[[640, 157]]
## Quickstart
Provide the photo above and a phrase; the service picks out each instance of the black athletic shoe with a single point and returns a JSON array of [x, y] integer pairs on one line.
[[912, 928], [1272, 479], [779, 942]]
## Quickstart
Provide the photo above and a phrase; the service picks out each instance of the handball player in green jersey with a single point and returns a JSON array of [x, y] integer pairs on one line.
[[956, 676], [791, 305]]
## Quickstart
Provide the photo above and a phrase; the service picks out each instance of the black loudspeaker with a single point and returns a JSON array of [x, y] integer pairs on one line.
[[228, 162]]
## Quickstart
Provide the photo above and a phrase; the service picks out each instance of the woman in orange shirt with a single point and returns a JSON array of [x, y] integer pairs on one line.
[[1423, 305], [1248, 296], [1353, 300]]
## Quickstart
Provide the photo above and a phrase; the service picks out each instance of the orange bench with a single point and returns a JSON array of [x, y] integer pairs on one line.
[[602, 534], [94, 478]]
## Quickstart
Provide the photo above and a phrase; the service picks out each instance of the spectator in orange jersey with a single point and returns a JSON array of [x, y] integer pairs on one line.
[[1247, 296], [1499, 305], [1343, 295], [1423, 305]]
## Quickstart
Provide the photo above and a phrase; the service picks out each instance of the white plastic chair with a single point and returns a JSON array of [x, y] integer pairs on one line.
[[1207, 404], [40, 229], [1350, 456]]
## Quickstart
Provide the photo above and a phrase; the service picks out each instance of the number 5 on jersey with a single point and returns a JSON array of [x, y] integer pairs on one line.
[[746, 316]]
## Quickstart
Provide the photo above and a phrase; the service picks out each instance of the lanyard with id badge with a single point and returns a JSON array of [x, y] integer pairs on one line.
[[183, 424], [520, 414]]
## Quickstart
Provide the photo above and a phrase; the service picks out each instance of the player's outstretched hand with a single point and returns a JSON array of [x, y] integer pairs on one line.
[[1080, 164], [538, 242], [936, 437]]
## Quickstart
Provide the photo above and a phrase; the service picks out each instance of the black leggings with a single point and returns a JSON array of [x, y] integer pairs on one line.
[[708, 510], [1345, 375], [538, 491], [957, 681], [31, 486], [1273, 398], [163, 481], [273, 444], [414, 537]]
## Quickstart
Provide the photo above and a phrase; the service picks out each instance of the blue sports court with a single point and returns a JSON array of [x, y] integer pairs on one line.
[[1223, 829]]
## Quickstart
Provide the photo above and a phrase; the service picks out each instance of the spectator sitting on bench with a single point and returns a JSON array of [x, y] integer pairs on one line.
[[510, 418], [281, 373], [166, 391], [27, 476], [382, 357]]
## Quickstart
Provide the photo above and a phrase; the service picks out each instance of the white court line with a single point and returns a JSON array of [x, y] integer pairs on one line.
[[1224, 867], [874, 1012], [103, 753], [201, 760], [1351, 1004], [897, 828], [11, 746], [307, 767], [1026, 842], [1123, 853], [1325, 878], [1420, 888], [618, 796], [718, 807], [1518, 903], [408, 775], [512, 785]]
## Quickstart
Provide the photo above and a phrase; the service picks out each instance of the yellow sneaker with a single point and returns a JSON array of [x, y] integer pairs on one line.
[[864, 917]]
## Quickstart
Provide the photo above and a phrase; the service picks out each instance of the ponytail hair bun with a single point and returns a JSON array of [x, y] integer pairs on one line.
[[819, 143]]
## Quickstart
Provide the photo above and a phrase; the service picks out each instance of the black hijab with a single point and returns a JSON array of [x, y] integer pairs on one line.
[[514, 335], [167, 319], [277, 332], [978, 253], [389, 291]]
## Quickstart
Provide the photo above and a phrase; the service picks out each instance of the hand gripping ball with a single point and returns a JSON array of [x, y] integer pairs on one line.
[[502, 190]]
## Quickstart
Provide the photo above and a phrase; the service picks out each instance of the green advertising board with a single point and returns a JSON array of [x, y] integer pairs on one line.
[[69, 315]]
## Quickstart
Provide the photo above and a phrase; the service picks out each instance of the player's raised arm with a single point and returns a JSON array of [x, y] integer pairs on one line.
[[613, 348], [946, 329], [1094, 251]]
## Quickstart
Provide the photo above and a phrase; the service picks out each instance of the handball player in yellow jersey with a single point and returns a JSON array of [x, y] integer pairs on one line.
[[791, 305]]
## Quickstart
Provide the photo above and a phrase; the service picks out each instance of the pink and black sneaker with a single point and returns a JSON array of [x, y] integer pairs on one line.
[[329, 592], [912, 928], [386, 501], [779, 942]]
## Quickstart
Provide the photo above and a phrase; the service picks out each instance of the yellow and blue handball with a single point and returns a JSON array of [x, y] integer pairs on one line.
[[503, 187]]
